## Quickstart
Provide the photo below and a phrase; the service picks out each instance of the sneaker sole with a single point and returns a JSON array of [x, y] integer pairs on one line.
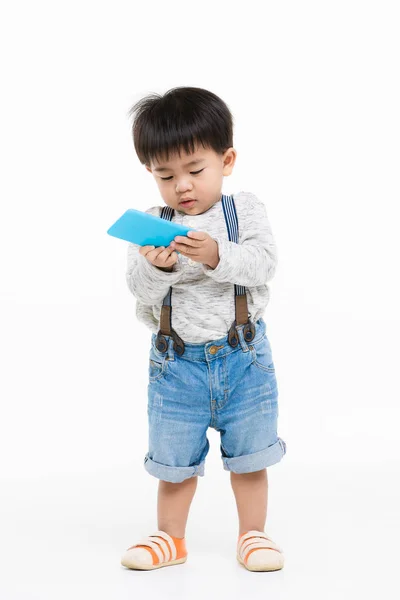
[[140, 567], [260, 568]]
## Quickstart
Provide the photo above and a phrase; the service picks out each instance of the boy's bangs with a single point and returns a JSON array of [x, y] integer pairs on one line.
[[162, 142]]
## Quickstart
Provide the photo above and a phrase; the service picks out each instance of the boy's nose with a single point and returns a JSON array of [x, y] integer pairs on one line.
[[183, 186]]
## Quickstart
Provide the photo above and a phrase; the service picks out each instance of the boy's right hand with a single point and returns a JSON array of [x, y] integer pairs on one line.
[[160, 257]]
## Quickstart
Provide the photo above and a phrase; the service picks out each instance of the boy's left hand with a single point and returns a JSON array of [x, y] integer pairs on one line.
[[199, 246]]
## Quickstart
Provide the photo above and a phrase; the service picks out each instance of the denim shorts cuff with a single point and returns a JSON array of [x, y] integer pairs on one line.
[[257, 461], [172, 474]]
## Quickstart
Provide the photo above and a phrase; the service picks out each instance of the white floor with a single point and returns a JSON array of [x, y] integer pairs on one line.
[[62, 536]]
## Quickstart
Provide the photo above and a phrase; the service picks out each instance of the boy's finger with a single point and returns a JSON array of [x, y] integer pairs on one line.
[[182, 239], [145, 249], [197, 235], [166, 251], [185, 249], [154, 253], [170, 250], [165, 254]]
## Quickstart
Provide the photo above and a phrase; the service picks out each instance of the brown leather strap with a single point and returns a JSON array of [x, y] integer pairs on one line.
[[165, 320], [242, 313]]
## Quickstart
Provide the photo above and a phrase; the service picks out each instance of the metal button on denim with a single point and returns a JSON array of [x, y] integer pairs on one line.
[[214, 349]]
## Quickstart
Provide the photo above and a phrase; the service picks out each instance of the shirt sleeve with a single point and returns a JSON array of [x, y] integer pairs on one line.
[[252, 262], [148, 283]]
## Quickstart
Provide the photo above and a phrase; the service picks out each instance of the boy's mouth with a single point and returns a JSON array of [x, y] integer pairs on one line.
[[187, 203]]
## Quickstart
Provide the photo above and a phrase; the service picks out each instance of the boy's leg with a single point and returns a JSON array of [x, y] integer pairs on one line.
[[255, 550], [174, 500], [168, 545], [251, 494]]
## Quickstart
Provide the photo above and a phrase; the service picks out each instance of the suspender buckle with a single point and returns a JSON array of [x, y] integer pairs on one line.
[[249, 332], [162, 344], [179, 345]]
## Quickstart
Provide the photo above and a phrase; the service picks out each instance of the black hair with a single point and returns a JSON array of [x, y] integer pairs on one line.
[[180, 118]]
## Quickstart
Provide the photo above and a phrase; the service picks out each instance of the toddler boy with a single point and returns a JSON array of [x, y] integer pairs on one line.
[[210, 360]]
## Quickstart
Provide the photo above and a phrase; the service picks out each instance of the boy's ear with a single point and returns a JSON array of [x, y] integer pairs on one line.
[[148, 168], [229, 160]]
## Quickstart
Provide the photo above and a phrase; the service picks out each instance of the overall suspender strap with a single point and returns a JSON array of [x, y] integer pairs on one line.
[[165, 317], [167, 212], [232, 225]]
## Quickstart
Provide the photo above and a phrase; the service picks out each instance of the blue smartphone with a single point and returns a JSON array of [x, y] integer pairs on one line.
[[141, 228]]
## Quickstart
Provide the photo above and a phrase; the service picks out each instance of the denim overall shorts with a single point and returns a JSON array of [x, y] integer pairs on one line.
[[233, 390]]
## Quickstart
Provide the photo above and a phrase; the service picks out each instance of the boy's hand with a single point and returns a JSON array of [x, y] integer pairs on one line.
[[198, 246], [160, 257]]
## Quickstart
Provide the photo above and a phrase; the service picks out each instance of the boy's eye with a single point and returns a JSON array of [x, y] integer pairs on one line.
[[191, 172]]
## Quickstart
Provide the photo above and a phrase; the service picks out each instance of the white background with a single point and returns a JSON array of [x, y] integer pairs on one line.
[[314, 91]]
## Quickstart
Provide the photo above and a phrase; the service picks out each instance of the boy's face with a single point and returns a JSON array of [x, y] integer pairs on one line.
[[201, 180]]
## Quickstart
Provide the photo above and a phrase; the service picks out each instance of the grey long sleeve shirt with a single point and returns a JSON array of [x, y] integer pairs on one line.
[[203, 299]]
